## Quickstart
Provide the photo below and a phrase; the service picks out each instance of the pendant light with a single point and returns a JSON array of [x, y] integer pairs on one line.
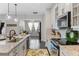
[[15, 19], [8, 16]]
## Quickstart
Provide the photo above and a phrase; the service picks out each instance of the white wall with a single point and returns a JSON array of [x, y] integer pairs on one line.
[[45, 25]]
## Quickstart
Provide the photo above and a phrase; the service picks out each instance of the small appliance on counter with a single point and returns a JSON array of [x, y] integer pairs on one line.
[[72, 37]]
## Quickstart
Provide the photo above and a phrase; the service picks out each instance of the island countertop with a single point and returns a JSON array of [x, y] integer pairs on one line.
[[11, 45], [69, 50]]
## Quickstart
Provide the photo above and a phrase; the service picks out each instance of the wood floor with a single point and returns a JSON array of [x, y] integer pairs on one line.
[[37, 52]]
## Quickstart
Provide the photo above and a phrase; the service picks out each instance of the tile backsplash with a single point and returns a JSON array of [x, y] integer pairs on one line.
[[63, 33]]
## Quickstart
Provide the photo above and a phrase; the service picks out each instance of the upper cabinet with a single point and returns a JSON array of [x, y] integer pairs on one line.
[[75, 15], [64, 21], [58, 11], [63, 8], [61, 12]]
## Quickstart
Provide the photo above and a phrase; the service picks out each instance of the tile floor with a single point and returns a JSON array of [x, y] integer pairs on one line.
[[37, 52]]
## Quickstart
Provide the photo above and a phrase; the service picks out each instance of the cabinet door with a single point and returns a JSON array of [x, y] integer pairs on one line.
[[68, 7], [61, 53], [12, 53], [25, 47], [75, 16], [22, 49], [20, 53], [61, 9]]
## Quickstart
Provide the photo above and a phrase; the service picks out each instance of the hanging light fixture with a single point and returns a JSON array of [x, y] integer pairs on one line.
[[15, 19], [8, 16]]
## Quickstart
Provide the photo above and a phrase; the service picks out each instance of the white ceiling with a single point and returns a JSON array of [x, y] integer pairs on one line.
[[25, 8]]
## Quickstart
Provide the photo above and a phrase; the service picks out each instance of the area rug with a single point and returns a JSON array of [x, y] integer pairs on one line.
[[37, 52]]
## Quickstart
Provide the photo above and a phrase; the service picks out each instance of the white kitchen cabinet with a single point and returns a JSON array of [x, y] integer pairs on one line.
[[59, 9], [61, 52], [25, 47], [75, 16], [63, 8], [20, 50], [14, 52], [68, 7]]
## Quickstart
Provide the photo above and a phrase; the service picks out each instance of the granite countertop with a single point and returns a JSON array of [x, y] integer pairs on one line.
[[70, 50], [6, 48]]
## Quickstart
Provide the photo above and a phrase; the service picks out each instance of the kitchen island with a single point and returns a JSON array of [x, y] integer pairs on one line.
[[14, 48]]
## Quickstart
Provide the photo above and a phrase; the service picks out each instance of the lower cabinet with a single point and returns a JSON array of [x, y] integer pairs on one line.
[[22, 49], [19, 50], [62, 52], [14, 52], [65, 52]]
